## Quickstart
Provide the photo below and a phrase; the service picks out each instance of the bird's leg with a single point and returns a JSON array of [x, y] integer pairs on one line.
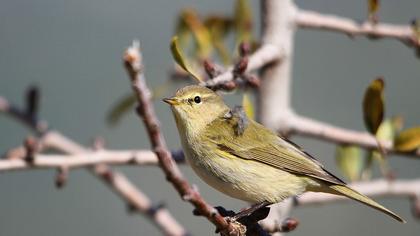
[[250, 210]]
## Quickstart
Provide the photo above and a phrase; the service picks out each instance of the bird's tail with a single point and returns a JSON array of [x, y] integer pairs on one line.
[[353, 194]]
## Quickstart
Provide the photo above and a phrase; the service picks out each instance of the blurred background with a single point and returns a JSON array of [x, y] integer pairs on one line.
[[72, 50]]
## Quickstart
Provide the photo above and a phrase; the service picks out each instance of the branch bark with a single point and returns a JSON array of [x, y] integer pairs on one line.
[[15, 160], [308, 127], [315, 20], [266, 54]]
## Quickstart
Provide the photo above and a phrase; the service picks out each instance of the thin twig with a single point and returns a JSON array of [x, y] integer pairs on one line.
[[315, 20], [134, 66], [266, 54]]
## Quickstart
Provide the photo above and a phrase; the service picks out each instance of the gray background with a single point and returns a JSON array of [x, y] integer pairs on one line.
[[72, 50]]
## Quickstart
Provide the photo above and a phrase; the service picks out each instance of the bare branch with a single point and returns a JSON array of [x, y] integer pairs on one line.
[[120, 184], [115, 180], [374, 188], [315, 20], [25, 118], [308, 127], [89, 159], [134, 66]]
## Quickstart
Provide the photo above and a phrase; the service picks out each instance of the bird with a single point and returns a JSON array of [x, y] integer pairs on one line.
[[246, 160]]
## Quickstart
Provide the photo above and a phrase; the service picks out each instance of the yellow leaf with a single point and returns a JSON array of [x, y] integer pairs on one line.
[[218, 28], [387, 130], [180, 58], [243, 21], [350, 161], [199, 31], [373, 105], [248, 105], [373, 6], [408, 140], [183, 32]]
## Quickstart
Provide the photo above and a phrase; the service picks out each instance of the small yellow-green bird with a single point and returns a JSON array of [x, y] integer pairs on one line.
[[254, 165]]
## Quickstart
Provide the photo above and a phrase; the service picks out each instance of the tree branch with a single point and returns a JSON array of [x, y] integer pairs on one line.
[[120, 184], [308, 127], [266, 54], [145, 110], [15, 161], [315, 20]]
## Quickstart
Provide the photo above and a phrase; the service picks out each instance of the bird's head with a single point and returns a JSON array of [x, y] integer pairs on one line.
[[195, 106]]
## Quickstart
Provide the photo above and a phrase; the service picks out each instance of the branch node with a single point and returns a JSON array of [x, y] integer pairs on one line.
[[289, 224], [62, 177], [244, 49], [240, 67], [30, 144], [155, 208]]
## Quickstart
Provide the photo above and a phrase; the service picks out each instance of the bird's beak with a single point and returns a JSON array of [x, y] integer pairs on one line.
[[171, 101]]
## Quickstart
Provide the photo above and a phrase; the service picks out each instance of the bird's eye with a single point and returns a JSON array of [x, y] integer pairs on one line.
[[197, 99]]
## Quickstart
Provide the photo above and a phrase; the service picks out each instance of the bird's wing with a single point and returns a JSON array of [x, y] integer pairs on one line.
[[259, 144]]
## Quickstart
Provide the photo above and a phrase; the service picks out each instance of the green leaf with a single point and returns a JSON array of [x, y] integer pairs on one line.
[[373, 105], [408, 140], [180, 58], [121, 108], [248, 105], [350, 161], [386, 131], [127, 103], [243, 21]]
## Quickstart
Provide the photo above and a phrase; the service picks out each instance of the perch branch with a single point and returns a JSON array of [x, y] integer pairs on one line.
[[315, 20], [134, 67]]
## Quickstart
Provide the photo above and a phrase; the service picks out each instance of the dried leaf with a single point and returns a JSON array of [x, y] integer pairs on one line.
[[350, 161], [201, 35], [121, 108], [373, 7], [219, 27], [243, 21], [248, 105], [408, 140], [180, 58], [183, 32], [373, 105]]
